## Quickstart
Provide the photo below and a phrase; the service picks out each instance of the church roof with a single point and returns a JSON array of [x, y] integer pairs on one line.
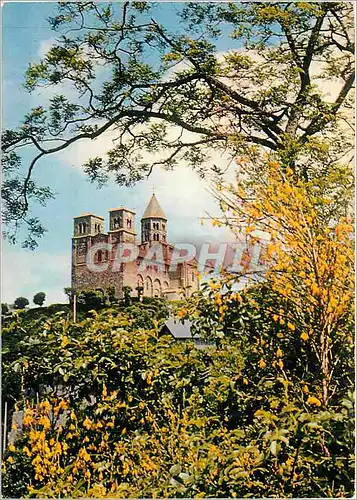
[[153, 210]]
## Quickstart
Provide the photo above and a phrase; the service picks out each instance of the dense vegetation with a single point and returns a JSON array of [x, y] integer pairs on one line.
[[114, 408]]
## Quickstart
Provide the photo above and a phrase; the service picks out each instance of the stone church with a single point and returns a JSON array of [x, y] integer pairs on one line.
[[154, 279]]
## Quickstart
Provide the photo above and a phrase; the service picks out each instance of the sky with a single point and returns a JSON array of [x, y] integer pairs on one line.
[[183, 196]]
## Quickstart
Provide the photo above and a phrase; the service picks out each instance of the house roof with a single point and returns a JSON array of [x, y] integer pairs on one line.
[[153, 210], [179, 329]]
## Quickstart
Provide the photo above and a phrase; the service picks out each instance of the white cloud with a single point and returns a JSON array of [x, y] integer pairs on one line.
[[45, 46], [26, 273]]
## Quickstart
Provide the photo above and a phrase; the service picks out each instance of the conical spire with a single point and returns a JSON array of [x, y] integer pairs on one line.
[[153, 210]]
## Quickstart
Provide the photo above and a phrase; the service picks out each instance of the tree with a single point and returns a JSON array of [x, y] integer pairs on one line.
[[303, 309], [140, 290], [69, 292], [39, 298], [4, 308], [91, 300], [127, 295], [111, 295], [174, 96], [21, 303]]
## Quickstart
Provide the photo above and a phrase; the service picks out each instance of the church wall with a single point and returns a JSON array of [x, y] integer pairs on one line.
[[85, 280]]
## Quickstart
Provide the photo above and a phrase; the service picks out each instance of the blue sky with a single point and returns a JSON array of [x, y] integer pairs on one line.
[[184, 198]]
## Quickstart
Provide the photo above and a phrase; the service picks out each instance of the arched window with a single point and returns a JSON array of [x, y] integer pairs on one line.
[[128, 223], [148, 286], [100, 256]]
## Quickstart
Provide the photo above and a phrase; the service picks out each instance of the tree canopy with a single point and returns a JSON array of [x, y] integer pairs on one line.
[[39, 298], [21, 302], [172, 95]]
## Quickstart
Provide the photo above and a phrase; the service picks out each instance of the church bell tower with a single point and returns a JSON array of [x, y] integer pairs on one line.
[[153, 223]]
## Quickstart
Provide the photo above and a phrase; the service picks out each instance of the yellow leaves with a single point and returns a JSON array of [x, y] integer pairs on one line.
[[123, 432], [279, 352], [342, 229], [215, 285], [281, 364], [218, 299], [245, 381], [262, 363], [45, 422], [26, 450], [255, 213], [313, 401], [104, 391], [58, 448], [222, 309], [63, 405], [290, 326], [28, 420], [216, 223], [65, 341], [305, 389], [11, 448], [304, 336], [87, 423], [83, 454], [275, 317], [181, 313], [36, 460]]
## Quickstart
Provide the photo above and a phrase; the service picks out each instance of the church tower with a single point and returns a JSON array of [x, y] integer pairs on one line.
[[122, 224], [153, 223]]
